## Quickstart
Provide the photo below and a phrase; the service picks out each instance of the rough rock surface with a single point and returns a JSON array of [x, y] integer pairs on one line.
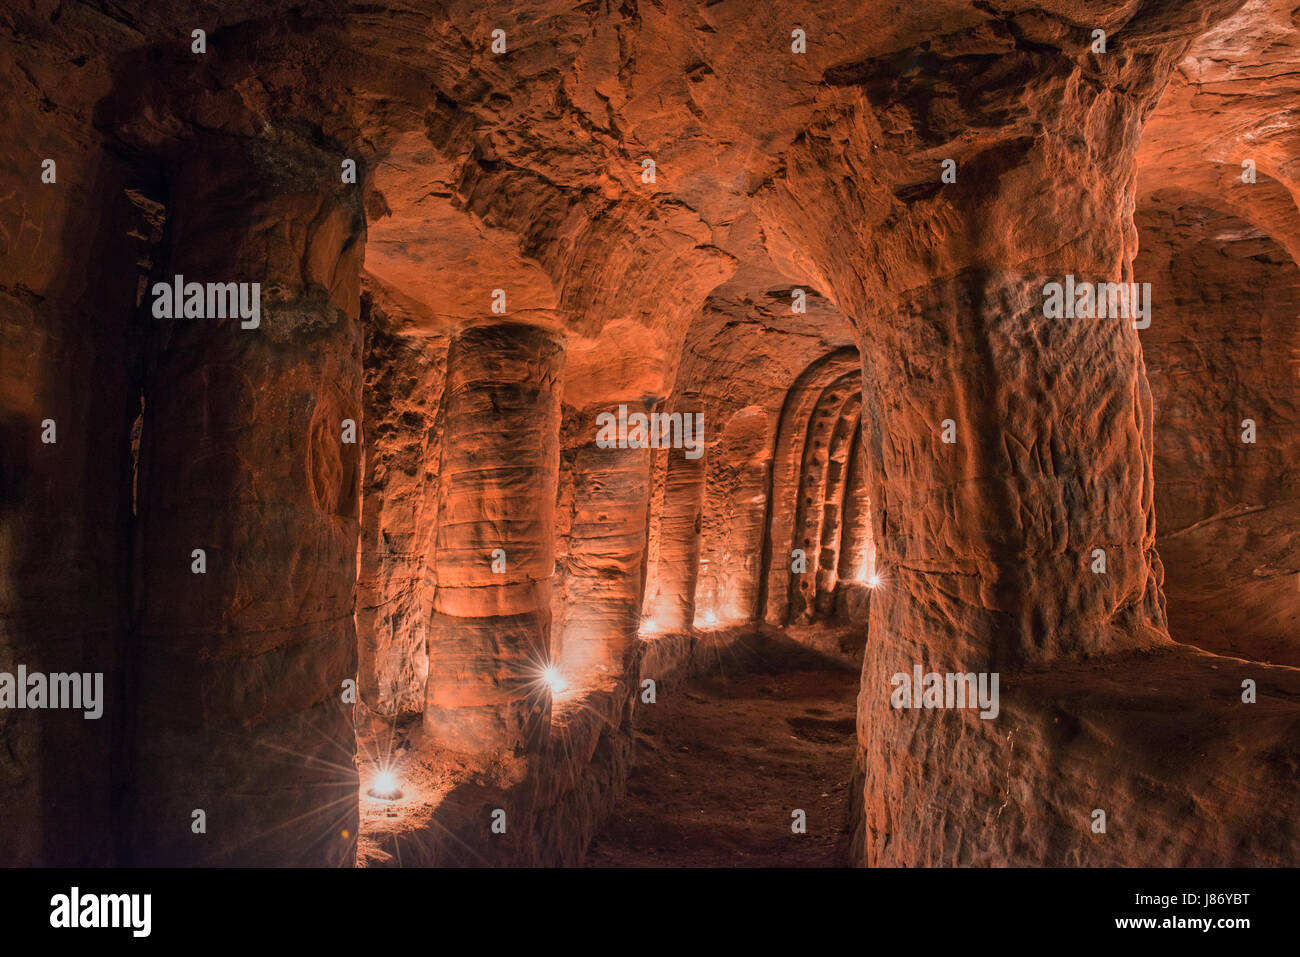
[[826, 228]]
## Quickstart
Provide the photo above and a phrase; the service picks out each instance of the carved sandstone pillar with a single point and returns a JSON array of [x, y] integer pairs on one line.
[[678, 569], [787, 471], [490, 638], [735, 506], [825, 439], [857, 558], [834, 532], [607, 547], [984, 540], [248, 501]]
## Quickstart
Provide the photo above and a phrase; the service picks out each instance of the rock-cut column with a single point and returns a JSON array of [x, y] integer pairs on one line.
[[1009, 447], [787, 473], [490, 638], [734, 521], [857, 560], [678, 569], [833, 537], [240, 742], [607, 547], [824, 436]]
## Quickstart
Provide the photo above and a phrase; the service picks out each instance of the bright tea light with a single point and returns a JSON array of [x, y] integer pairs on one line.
[[554, 680], [384, 786]]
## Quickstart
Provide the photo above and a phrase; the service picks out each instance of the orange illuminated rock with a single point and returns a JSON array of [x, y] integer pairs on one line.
[[383, 523]]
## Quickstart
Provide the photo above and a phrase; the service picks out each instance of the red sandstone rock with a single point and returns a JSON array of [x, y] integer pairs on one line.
[[796, 271]]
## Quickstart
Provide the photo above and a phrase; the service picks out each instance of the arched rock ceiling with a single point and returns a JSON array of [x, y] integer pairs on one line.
[[523, 171], [1234, 96]]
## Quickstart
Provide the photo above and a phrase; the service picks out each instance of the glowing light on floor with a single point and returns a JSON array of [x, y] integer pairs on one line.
[[384, 786], [874, 581], [649, 627], [554, 680], [710, 618]]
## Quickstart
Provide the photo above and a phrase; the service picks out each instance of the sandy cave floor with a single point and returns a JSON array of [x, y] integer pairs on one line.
[[722, 761]]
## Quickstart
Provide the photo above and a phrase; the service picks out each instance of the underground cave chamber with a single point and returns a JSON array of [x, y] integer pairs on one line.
[[533, 456]]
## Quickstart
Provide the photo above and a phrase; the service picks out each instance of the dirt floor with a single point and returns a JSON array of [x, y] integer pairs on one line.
[[723, 761]]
